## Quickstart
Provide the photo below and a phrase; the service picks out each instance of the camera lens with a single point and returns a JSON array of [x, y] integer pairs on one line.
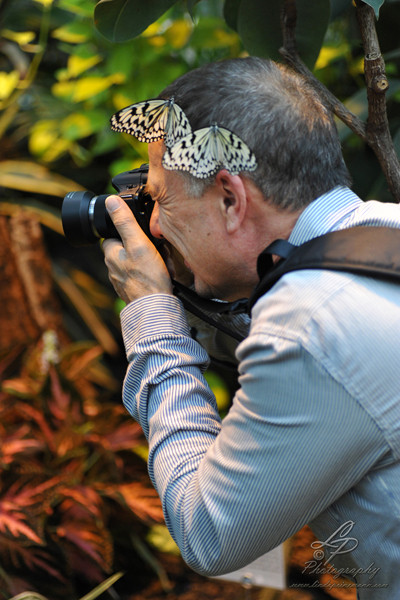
[[75, 218], [85, 218]]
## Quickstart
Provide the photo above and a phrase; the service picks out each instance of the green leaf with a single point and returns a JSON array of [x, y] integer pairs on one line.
[[231, 12], [260, 28], [258, 24], [211, 33], [190, 5], [75, 32], [122, 20], [160, 538], [358, 105], [376, 5], [312, 23], [82, 8]]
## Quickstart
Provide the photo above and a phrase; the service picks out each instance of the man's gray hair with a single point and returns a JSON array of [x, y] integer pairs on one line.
[[279, 116]]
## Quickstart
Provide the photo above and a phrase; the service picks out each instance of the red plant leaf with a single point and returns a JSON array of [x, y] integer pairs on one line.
[[81, 500], [125, 437], [14, 522], [60, 401], [141, 500], [79, 359], [27, 411], [11, 447], [30, 493], [31, 557], [23, 508], [90, 540]]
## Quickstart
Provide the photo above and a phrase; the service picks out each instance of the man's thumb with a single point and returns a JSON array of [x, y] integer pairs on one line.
[[113, 203], [122, 217]]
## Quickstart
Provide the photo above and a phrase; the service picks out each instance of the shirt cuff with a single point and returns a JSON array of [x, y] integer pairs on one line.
[[152, 316]]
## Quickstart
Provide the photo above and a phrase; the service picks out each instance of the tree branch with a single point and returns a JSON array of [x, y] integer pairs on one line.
[[291, 56], [344, 114], [376, 131]]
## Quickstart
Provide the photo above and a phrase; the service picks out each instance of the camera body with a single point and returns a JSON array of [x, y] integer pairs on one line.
[[85, 218]]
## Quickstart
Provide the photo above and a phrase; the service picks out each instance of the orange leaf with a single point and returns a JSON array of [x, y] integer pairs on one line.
[[13, 521], [141, 500]]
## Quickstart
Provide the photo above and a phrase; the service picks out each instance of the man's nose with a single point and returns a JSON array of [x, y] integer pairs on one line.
[[154, 222]]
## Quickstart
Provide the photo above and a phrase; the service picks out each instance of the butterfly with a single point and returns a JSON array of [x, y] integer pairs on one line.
[[205, 151], [152, 120]]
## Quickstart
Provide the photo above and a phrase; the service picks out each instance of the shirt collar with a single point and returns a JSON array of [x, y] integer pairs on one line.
[[324, 214]]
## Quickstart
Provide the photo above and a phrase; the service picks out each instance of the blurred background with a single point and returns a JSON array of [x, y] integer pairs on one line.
[[76, 505]]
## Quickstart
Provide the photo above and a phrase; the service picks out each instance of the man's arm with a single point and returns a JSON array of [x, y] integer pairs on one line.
[[284, 453]]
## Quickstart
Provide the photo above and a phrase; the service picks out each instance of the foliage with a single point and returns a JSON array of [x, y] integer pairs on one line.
[[256, 21], [62, 79], [56, 105], [75, 498], [72, 477]]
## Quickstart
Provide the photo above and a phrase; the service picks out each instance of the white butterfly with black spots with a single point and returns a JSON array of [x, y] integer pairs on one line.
[[205, 151], [152, 120]]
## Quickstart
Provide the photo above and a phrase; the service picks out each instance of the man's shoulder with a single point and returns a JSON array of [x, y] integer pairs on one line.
[[296, 298], [321, 310]]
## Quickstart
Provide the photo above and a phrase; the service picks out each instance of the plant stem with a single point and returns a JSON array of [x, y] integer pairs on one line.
[[151, 560]]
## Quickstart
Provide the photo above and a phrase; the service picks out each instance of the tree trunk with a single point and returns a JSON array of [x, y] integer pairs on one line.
[[29, 305]]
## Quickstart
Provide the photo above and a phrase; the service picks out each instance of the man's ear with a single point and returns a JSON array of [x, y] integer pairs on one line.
[[232, 199]]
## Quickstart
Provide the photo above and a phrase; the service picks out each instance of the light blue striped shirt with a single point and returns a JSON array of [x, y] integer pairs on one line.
[[313, 435]]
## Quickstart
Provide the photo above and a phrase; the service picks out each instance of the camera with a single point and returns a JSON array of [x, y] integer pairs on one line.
[[85, 218]]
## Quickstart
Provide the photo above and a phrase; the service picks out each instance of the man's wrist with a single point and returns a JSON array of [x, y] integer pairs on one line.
[[152, 316]]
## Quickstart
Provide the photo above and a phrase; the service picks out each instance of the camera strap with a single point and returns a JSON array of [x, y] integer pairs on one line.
[[362, 250], [207, 309]]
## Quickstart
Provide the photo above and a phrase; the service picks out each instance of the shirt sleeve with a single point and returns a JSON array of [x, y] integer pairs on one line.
[[293, 442]]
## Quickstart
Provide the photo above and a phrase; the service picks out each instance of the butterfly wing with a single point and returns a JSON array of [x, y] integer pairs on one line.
[[140, 120], [233, 154], [152, 120], [205, 151], [177, 125], [192, 154]]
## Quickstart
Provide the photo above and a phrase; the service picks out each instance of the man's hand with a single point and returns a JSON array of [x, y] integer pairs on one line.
[[135, 268]]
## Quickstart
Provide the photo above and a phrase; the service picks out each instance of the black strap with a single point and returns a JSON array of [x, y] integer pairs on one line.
[[190, 298], [370, 251], [204, 309]]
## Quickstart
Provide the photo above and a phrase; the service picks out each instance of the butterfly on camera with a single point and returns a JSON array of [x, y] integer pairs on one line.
[[205, 151], [152, 120]]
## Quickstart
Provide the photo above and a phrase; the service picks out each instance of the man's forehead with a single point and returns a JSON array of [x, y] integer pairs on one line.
[[158, 177], [156, 152]]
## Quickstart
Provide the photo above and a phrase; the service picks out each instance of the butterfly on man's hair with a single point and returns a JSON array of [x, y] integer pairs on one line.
[[205, 151], [152, 120]]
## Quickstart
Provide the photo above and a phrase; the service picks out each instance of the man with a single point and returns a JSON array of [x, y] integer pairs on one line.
[[313, 435]]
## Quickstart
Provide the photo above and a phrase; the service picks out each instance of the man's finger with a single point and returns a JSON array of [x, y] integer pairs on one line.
[[123, 218]]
